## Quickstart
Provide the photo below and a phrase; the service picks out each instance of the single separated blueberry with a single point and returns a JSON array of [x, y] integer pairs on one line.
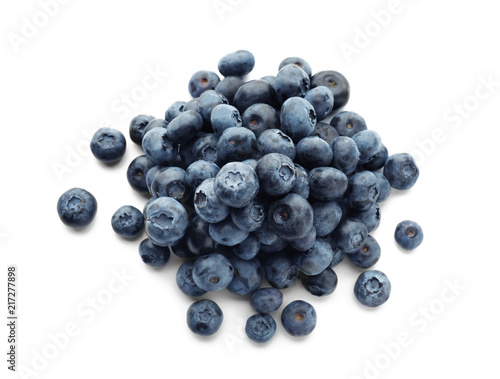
[[76, 207], [299, 318], [152, 255], [260, 328], [108, 145], [409, 235], [128, 221], [372, 288], [204, 317]]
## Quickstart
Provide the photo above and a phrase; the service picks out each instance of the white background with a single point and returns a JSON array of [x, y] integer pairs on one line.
[[68, 76]]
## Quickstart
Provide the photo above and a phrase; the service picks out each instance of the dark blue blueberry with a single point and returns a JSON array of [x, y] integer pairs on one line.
[[108, 145], [260, 117], [291, 217], [348, 123], [276, 246], [137, 126], [251, 162], [250, 217], [370, 217], [301, 186], [156, 123], [350, 235], [202, 81], [184, 127], [401, 171], [247, 249], [316, 259], [180, 249], [372, 288], [327, 183], [280, 270], [150, 175], [314, 152], [253, 92], [207, 102], [207, 204], [369, 145], [291, 81], [174, 110], [236, 144], [275, 141], [227, 233], [265, 234], [321, 98], [191, 105], [276, 173], [322, 284], [260, 328], [271, 79], [228, 86], [384, 186], [224, 116], [297, 118], [298, 62], [378, 160], [170, 181], [363, 190], [198, 239], [128, 221], [345, 154], [299, 318], [212, 272], [137, 171], [185, 282], [200, 170], [305, 243], [158, 147], [152, 255], [247, 275], [409, 235], [236, 184], [238, 63], [266, 300], [204, 317], [205, 147], [338, 256], [335, 82], [325, 131], [166, 221], [368, 255], [76, 207], [327, 215]]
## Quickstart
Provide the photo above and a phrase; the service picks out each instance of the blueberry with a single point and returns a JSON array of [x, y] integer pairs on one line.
[[184, 127], [152, 255], [297, 118], [260, 117], [276, 173], [271, 79], [408, 235], [291, 217], [370, 217], [205, 147], [252, 92], [280, 270], [128, 221], [314, 152], [185, 282], [321, 98], [266, 300], [327, 183], [247, 275], [207, 102], [335, 82], [174, 110], [325, 131], [202, 81], [298, 62], [156, 123], [401, 171], [348, 123], [291, 81], [301, 186], [137, 171], [327, 215], [338, 256], [108, 145], [247, 249], [137, 126], [305, 243], [228, 86], [369, 145], [212, 272], [170, 181], [384, 186], [265, 234], [236, 144], [323, 284], [350, 235], [236, 184], [260, 328], [275, 247], [368, 255], [250, 217], [166, 221], [200, 170], [378, 160], [227, 233], [372, 288], [191, 105], [345, 154], [238, 63], [197, 238], [204, 317], [316, 259], [299, 318], [180, 249], [224, 116], [363, 190], [207, 204], [158, 147], [76, 207], [275, 141]]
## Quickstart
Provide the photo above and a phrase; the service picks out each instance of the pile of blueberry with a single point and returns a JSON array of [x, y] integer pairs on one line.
[[257, 180]]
